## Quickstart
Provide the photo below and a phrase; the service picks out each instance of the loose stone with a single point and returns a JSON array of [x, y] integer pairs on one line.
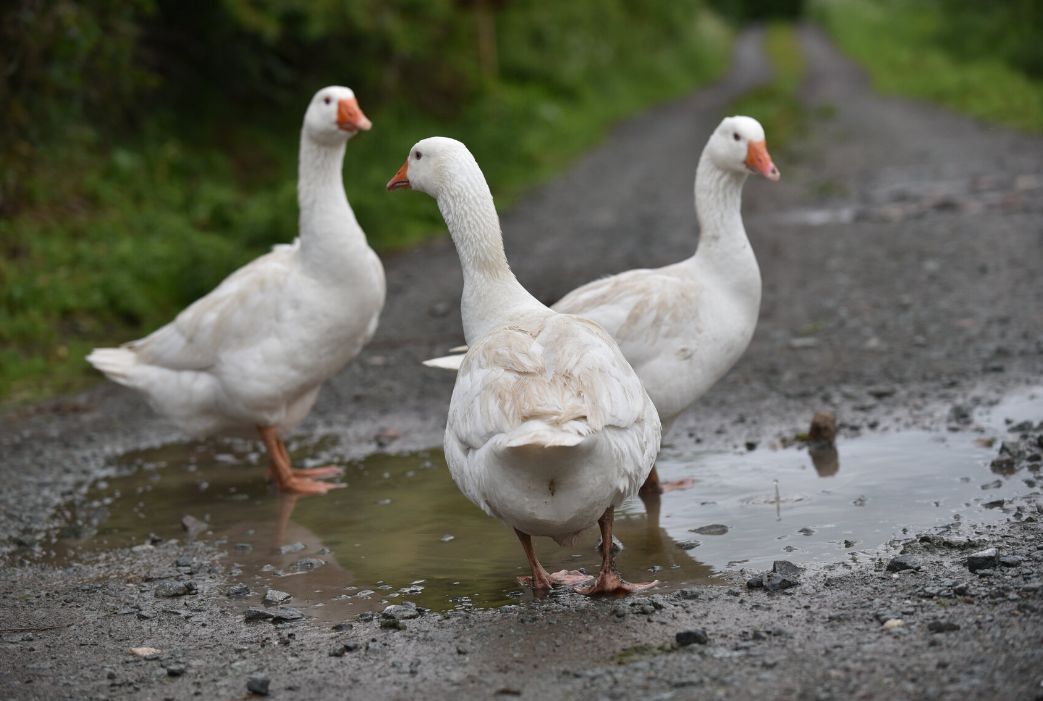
[[258, 685], [696, 636], [902, 563]]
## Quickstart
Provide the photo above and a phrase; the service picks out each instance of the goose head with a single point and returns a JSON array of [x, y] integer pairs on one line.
[[738, 145], [433, 165], [334, 116]]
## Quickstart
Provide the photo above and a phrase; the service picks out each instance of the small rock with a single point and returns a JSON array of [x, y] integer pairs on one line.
[[255, 614], [1003, 465], [446, 538], [995, 484], [755, 582], [274, 596], [961, 413], [942, 626], [308, 563], [243, 547], [373, 646], [893, 623], [1011, 448], [405, 610], [193, 526], [823, 428], [696, 636], [778, 582], [171, 589], [343, 626], [366, 616], [786, 567], [903, 563], [711, 529], [258, 685], [392, 624], [689, 593], [291, 548], [1010, 561], [175, 670], [286, 613], [144, 651], [688, 544], [995, 504], [344, 648], [239, 590]]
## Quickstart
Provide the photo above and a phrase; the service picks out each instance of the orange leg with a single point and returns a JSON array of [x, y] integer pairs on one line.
[[652, 484], [327, 471], [541, 580], [609, 581], [286, 478]]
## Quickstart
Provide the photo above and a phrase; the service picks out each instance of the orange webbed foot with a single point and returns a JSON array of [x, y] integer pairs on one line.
[[610, 583], [303, 485]]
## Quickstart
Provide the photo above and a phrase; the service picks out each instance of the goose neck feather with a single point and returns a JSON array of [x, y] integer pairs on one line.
[[492, 296], [329, 231]]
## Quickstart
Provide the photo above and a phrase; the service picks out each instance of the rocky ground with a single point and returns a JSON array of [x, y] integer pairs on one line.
[[901, 259]]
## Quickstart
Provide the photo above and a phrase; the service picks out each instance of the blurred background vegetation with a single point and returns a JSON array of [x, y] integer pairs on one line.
[[148, 147]]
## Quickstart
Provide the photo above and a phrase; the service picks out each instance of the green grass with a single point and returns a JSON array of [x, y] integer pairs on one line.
[[775, 105], [116, 238], [896, 43]]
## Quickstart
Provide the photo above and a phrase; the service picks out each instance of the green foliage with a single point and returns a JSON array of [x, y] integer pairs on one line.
[[775, 105], [183, 166], [743, 11], [976, 58]]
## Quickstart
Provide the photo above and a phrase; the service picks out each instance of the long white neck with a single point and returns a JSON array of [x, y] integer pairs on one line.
[[724, 250], [492, 296], [328, 228]]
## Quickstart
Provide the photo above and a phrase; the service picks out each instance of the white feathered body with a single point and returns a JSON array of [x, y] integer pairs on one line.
[[682, 327], [255, 351], [549, 426]]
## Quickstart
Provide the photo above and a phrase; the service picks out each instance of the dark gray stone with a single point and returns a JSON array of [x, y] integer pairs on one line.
[[755, 582], [193, 526], [688, 544], [286, 613], [983, 559], [171, 589], [258, 685], [902, 563], [344, 648], [239, 590], [405, 610], [307, 563], [175, 670], [695, 636], [942, 626], [689, 593], [786, 567], [777, 582], [710, 529], [1010, 561], [255, 614], [274, 596], [343, 626]]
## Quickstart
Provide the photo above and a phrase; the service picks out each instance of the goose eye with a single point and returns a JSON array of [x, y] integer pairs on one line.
[[736, 135], [418, 155], [327, 101]]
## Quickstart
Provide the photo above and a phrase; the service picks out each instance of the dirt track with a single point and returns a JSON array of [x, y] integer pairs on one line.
[[901, 256]]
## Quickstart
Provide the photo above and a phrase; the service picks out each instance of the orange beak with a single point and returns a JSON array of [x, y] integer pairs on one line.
[[350, 117], [758, 160], [401, 179]]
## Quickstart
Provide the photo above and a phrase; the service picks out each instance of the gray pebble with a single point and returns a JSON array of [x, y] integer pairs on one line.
[[903, 563], [695, 636], [274, 596], [981, 560], [258, 685]]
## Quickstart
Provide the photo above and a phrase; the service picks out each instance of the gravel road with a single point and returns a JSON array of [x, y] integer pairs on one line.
[[901, 255]]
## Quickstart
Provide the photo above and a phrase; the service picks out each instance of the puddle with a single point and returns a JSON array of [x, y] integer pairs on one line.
[[402, 530]]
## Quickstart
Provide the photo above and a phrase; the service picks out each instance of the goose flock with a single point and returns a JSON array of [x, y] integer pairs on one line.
[[557, 412]]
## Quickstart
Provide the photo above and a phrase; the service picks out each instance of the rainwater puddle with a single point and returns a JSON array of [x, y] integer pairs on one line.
[[401, 530]]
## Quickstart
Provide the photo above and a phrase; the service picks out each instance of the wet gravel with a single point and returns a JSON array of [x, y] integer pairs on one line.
[[908, 312]]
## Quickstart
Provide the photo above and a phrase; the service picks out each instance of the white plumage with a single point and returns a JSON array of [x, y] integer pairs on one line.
[[549, 428], [252, 355], [683, 326]]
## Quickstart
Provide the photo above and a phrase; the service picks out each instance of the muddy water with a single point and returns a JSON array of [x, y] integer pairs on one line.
[[402, 530]]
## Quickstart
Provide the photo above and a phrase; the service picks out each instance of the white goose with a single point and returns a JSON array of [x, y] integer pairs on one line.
[[251, 355], [682, 327], [549, 428]]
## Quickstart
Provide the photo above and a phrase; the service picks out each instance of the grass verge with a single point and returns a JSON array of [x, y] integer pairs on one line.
[[896, 43], [117, 238], [775, 105]]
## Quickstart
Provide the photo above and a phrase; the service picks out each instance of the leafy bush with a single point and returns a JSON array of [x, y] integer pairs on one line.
[[178, 163]]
